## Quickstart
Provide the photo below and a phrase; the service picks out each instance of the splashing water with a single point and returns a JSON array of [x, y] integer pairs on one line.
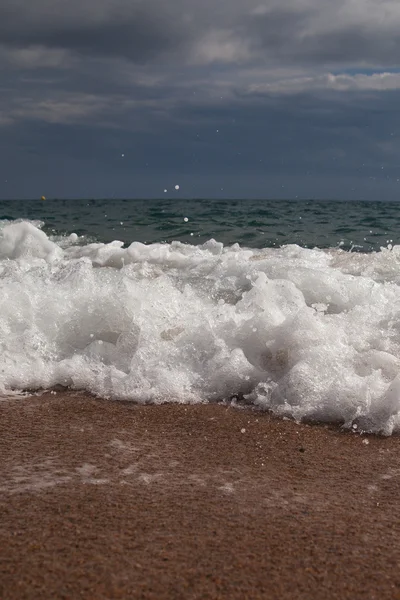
[[310, 334]]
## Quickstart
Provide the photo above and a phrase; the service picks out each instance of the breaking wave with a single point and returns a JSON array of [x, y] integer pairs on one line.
[[309, 334]]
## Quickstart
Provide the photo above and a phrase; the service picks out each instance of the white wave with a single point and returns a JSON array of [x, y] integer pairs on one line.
[[310, 334]]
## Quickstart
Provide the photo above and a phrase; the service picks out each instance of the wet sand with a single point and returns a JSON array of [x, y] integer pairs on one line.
[[104, 500]]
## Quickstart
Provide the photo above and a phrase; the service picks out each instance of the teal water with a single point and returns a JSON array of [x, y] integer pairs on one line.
[[361, 226]]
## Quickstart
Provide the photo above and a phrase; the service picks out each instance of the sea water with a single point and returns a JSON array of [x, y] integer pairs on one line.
[[293, 307]]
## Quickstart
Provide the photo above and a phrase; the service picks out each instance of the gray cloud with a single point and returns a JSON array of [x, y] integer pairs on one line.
[[292, 90], [293, 31], [338, 33], [285, 146], [328, 82], [139, 36]]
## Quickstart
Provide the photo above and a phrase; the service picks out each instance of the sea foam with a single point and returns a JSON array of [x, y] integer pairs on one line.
[[309, 334]]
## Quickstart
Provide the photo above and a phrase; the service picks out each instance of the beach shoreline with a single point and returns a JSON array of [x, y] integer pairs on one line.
[[104, 499]]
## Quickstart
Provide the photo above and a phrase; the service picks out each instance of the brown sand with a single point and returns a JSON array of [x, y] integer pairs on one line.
[[108, 500]]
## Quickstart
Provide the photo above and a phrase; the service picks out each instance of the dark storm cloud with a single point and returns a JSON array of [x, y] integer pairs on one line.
[[291, 31], [301, 36], [296, 145], [137, 36], [351, 45], [239, 97]]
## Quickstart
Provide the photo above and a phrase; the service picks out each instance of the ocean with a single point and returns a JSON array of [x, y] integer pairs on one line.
[[359, 226], [289, 306]]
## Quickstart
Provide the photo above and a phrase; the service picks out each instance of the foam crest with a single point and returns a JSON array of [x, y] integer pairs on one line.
[[309, 334], [24, 239]]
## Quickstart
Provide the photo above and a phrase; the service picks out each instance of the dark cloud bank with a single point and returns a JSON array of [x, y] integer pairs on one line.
[[239, 98]]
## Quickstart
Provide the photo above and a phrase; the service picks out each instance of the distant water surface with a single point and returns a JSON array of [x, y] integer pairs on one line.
[[361, 226]]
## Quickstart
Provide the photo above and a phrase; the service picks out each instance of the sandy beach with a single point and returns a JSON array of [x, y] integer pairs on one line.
[[104, 500]]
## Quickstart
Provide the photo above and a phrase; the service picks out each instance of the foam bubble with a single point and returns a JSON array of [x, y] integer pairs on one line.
[[309, 334]]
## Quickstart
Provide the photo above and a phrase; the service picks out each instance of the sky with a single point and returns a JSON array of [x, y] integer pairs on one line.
[[225, 98]]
